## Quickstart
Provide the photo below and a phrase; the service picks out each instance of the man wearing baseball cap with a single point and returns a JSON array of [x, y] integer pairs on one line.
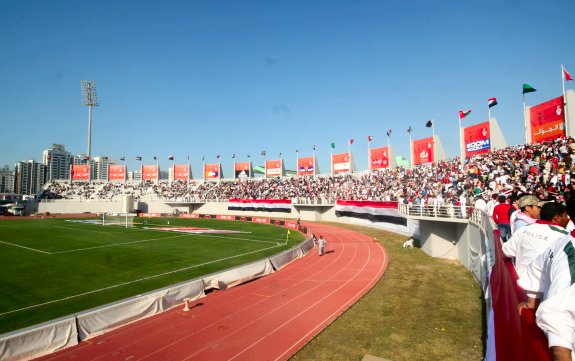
[[529, 212]]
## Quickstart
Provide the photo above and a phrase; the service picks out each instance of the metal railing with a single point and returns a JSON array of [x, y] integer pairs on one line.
[[443, 211]]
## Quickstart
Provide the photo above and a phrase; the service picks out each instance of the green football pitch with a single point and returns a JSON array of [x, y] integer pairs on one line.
[[56, 267]]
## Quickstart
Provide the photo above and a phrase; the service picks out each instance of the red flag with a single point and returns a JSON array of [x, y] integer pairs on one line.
[[566, 75], [463, 114], [369, 138], [351, 141]]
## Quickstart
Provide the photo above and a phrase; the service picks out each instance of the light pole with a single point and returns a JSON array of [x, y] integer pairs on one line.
[[89, 99]]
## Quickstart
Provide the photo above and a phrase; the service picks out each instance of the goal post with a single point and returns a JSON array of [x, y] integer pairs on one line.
[[118, 219]]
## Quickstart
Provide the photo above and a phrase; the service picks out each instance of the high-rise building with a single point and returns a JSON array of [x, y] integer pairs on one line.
[[30, 176], [58, 160], [6, 180], [99, 167]]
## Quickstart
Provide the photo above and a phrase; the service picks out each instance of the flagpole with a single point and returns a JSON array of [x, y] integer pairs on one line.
[[525, 120], [314, 165], [460, 142], [433, 138], [297, 162], [349, 154], [567, 130], [410, 152], [368, 156], [331, 159]]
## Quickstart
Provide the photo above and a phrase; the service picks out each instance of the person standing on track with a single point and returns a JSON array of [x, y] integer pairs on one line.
[[321, 243]]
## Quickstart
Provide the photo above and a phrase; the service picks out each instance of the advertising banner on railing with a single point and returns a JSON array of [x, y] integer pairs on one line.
[[212, 171], [117, 172], [423, 151], [477, 139], [379, 158], [150, 172], [374, 211], [182, 171], [242, 169], [263, 205], [341, 163], [274, 168], [81, 172], [547, 120], [306, 166]]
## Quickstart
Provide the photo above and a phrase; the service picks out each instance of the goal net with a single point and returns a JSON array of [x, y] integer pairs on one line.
[[118, 219]]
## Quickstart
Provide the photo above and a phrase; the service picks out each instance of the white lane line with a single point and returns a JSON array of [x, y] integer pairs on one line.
[[28, 248]]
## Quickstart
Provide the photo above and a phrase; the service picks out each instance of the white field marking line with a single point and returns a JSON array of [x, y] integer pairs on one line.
[[28, 248], [134, 281], [82, 230], [120, 244], [240, 239], [299, 296]]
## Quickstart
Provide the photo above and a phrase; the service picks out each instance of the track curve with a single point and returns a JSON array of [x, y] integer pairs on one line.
[[269, 319]]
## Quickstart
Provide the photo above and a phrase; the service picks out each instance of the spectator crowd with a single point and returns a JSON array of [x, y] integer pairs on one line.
[[526, 189]]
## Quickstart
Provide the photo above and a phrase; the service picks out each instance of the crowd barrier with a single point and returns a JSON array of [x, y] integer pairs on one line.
[[49, 337], [510, 336]]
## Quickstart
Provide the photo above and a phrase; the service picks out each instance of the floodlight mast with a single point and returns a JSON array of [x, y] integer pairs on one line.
[[89, 99]]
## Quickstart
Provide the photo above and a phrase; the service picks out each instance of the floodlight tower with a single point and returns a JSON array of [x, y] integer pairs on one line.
[[89, 99]]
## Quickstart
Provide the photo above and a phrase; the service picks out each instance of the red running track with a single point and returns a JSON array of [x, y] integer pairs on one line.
[[269, 319]]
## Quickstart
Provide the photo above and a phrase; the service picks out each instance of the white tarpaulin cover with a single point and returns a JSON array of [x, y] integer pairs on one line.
[[282, 259], [95, 322], [239, 275], [39, 340]]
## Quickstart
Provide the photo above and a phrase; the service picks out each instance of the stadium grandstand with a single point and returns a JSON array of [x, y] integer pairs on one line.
[[436, 203]]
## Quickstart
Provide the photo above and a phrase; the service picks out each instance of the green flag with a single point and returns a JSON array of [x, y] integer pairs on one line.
[[332, 145], [528, 89]]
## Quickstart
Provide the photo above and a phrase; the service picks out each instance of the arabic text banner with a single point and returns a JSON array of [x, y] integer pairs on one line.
[[150, 172], [182, 171], [423, 151], [547, 120], [379, 158], [242, 169], [212, 171], [374, 211], [80, 172], [273, 168], [117, 172], [263, 205], [477, 139], [305, 166], [341, 163]]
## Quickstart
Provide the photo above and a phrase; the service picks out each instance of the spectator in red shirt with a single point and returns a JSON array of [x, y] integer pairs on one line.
[[501, 217]]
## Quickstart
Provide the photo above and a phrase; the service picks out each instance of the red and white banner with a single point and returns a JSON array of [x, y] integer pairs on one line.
[[379, 158], [477, 139], [274, 168], [150, 172], [81, 172], [374, 211], [182, 171], [117, 172], [341, 163], [261, 220], [150, 215], [212, 171], [263, 205], [306, 166], [188, 215], [423, 151], [547, 120], [243, 169]]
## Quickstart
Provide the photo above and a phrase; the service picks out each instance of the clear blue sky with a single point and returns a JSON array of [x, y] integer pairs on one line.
[[221, 77]]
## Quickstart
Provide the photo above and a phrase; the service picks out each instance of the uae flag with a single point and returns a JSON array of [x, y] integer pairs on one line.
[[374, 211], [260, 205]]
